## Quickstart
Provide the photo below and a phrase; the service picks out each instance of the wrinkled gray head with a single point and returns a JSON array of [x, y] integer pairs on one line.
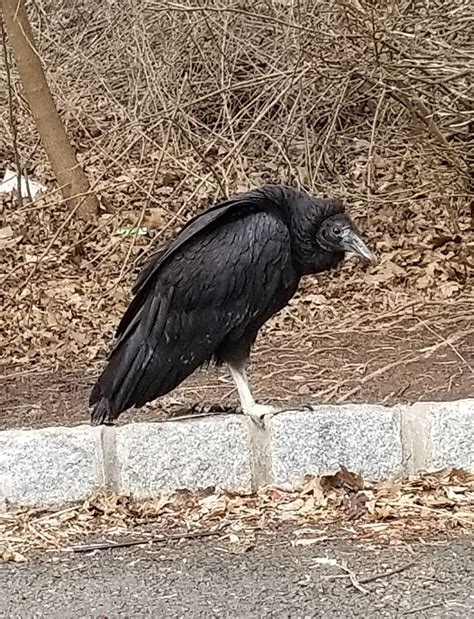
[[338, 233]]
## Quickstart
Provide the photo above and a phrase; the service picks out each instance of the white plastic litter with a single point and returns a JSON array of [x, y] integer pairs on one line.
[[10, 185]]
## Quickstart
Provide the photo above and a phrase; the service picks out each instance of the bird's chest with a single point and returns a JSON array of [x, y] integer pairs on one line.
[[273, 294]]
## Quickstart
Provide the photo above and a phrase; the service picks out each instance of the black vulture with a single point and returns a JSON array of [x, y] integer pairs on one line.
[[206, 295]]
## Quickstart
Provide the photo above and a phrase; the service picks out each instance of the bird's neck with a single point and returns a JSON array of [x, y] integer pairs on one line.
[[319, 260], [308, 256]]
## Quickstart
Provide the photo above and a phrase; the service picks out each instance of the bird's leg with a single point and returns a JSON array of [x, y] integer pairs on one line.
[[247, 402]]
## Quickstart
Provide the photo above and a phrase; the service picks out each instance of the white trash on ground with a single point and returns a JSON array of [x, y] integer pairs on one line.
[[9, 184]]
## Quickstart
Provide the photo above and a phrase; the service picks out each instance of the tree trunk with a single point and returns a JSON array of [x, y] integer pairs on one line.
[[70, 176]]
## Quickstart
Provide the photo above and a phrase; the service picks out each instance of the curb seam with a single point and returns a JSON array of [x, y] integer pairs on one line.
[[415, 433], [108, 446], [259, 443]]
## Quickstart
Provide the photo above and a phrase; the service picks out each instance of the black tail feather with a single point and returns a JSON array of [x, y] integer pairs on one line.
[[128, 368], [101, 413]]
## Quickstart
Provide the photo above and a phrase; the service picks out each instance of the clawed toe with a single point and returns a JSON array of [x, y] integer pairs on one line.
[[304, 407], [258, 413]]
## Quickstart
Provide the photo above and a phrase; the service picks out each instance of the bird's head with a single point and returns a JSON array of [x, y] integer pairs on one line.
[[338, 233]]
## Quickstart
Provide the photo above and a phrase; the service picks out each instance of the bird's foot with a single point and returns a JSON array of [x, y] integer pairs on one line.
[[293, 409], [258, 412]]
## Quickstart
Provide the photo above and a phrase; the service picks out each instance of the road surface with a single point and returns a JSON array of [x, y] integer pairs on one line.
[[202, 578]]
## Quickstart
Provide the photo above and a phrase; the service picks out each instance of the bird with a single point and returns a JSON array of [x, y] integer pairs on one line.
[[204, 297]]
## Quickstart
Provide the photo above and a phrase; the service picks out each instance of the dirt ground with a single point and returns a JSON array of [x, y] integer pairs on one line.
[[385, 361]]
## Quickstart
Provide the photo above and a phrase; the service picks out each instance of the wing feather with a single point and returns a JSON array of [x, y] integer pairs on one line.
[[267, 198], [205, 294]]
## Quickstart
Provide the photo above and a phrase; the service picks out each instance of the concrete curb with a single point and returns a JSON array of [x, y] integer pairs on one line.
[[55, 466]]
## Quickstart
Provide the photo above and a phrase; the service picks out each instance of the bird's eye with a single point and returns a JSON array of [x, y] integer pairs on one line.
[[337, 230]]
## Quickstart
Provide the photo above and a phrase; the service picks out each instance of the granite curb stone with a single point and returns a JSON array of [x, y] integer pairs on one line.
[[61, 465]]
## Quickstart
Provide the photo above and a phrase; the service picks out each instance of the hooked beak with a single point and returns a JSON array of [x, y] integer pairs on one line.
[[353, 243]]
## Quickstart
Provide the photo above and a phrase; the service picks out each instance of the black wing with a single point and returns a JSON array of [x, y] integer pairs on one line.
[[267, 198], [229, 272]]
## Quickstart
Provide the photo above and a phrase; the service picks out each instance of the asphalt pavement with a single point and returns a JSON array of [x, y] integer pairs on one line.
[[204, 578]]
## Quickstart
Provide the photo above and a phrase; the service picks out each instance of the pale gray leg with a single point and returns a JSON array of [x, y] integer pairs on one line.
[[247, 402]]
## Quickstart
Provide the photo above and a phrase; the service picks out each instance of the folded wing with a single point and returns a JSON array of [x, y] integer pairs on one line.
[[224, 275]]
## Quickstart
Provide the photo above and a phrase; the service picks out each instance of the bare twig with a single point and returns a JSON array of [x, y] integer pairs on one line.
[[386, 574], [372, 141], [420, 609], [13, 123], [330, 129], [163, 538], [448, 343], [354, 581], [423, 353]]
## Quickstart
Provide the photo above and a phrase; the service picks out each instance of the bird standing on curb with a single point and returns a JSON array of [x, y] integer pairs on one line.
[[206, 295]]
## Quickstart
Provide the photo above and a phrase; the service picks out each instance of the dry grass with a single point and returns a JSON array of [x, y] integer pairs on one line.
[[171, 106]]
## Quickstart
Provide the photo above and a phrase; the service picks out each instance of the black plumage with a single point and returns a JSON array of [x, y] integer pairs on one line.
[[207, 294]]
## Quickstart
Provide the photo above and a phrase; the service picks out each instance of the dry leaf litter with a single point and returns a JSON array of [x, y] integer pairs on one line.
[[412, 508]]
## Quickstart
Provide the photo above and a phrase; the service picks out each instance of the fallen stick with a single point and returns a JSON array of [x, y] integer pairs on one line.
[[139, 542], [397, 570]]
